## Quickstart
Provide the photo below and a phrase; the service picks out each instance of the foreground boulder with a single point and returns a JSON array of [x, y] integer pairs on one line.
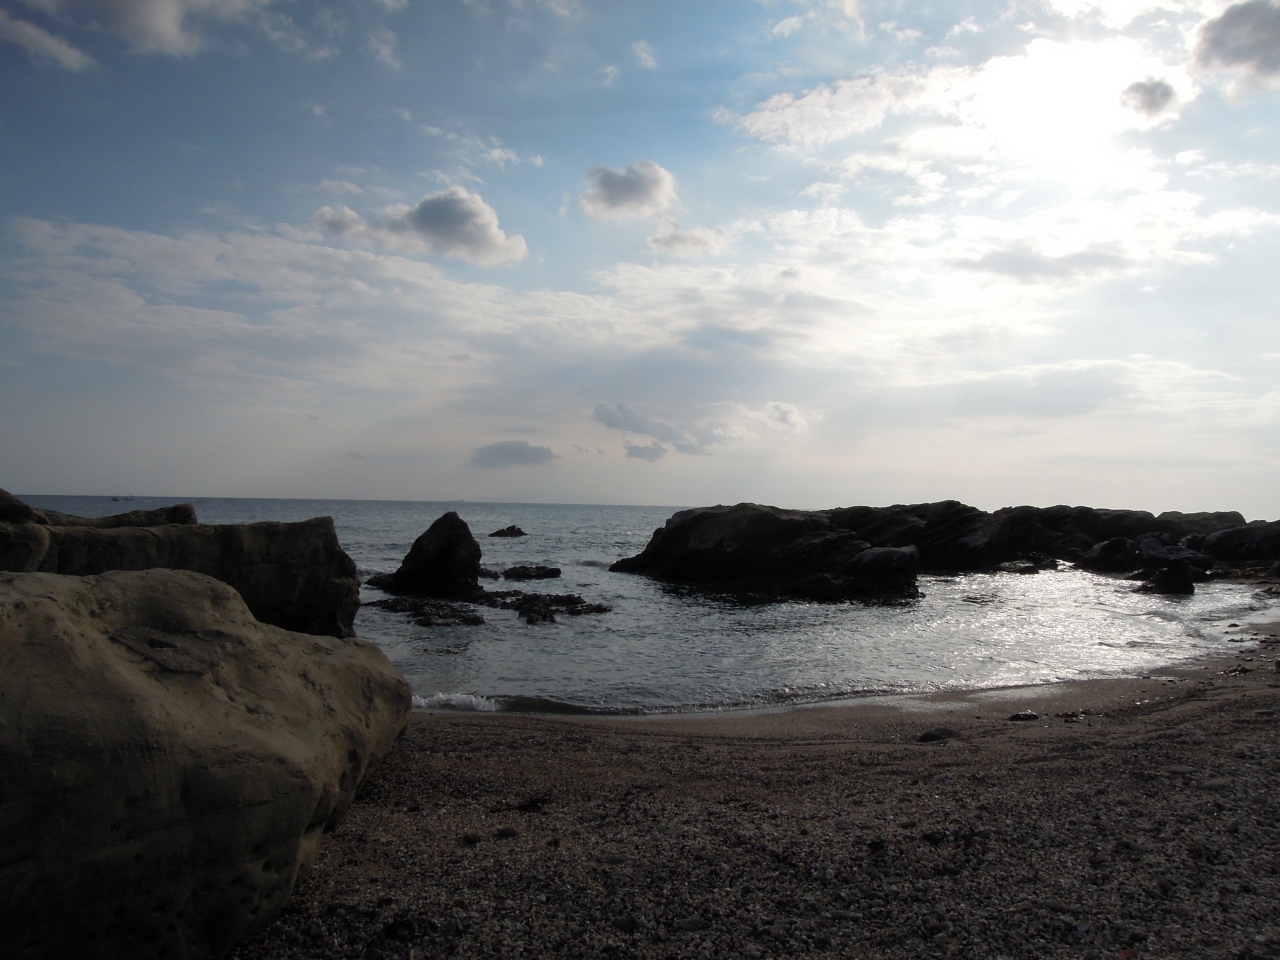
[[168, 763], [773, 552], [292, 575], [444, 562]]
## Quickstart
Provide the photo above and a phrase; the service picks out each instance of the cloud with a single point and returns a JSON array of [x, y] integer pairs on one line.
[[1148, 96], [40, 43], [452, 222], [645, 53], [649, 451], [1022, 262], [1245, 35], [511, 453], [151, 25], [340, 186], [382, 44], [641, 190], [610, 74], [694, 242], [686, 438]]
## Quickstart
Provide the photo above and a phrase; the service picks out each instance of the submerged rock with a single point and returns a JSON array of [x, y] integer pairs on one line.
[[168, 764], [531, 572], [511, 531], [773, 552]]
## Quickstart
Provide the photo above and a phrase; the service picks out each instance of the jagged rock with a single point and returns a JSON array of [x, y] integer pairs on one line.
[[535, 608], [765, 550], [531, 572], [444, 562], [511, 531], [1018, 566], [168, 764], [292, 575]]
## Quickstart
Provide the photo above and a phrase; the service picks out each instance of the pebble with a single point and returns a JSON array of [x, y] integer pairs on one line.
[[1024, 715]]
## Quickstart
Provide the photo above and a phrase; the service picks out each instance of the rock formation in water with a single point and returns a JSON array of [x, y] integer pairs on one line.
[[292, 575], [511, 531], [809, 553], [167, 762], [530, 571], [444, 562], [768, 551]]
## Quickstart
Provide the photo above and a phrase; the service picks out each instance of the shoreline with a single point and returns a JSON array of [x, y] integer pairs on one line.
[[1136, 817], [1260, 635]]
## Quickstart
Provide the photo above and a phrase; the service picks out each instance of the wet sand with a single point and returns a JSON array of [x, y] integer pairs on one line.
[[1131, 818]]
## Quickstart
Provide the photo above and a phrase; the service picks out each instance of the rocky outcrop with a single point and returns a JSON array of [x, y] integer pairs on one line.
[[511, 531], [773, 552], [13, 510], [292, 575], [1257, 542], [167, 762], [1175, 579], [954, 536], [444, 562]]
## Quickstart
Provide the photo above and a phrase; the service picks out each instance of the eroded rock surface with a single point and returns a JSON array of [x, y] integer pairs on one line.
[[167, 762], [292, 575]]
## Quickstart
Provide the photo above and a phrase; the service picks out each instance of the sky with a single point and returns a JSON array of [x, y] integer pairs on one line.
[[812, 253]]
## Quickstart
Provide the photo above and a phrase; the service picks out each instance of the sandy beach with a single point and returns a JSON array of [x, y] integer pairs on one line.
[[1131, 818]]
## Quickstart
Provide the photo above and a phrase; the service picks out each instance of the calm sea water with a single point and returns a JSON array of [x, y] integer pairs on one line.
[[663, 649]]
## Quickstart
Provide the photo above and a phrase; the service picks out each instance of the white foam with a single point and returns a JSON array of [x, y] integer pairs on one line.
[[454, 701]]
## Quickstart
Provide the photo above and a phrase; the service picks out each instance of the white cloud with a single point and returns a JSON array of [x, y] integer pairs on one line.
[[640, 190], [41, 43], [788, 26], [645, 54], [382, 44], [452, 222], [693, 242], [152, 25], [340, 186]]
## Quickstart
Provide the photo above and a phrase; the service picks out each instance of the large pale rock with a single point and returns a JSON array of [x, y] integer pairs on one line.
[[292, 575], [168, 763]]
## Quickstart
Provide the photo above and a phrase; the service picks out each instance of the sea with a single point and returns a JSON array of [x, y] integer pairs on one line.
[[663, 649]]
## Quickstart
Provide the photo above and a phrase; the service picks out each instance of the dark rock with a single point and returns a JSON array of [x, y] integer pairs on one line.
[[507, 833], [1025, 715], [488, 574], [773, 552], [1257, 542], [531, 572], [180, 513], [168, 763], [292, 575], [1018, 566], [937, 733], [535, 608], [443, 562], [1174, 579], [13, 510], [428, 612], [1116, 555], [511, 531]]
